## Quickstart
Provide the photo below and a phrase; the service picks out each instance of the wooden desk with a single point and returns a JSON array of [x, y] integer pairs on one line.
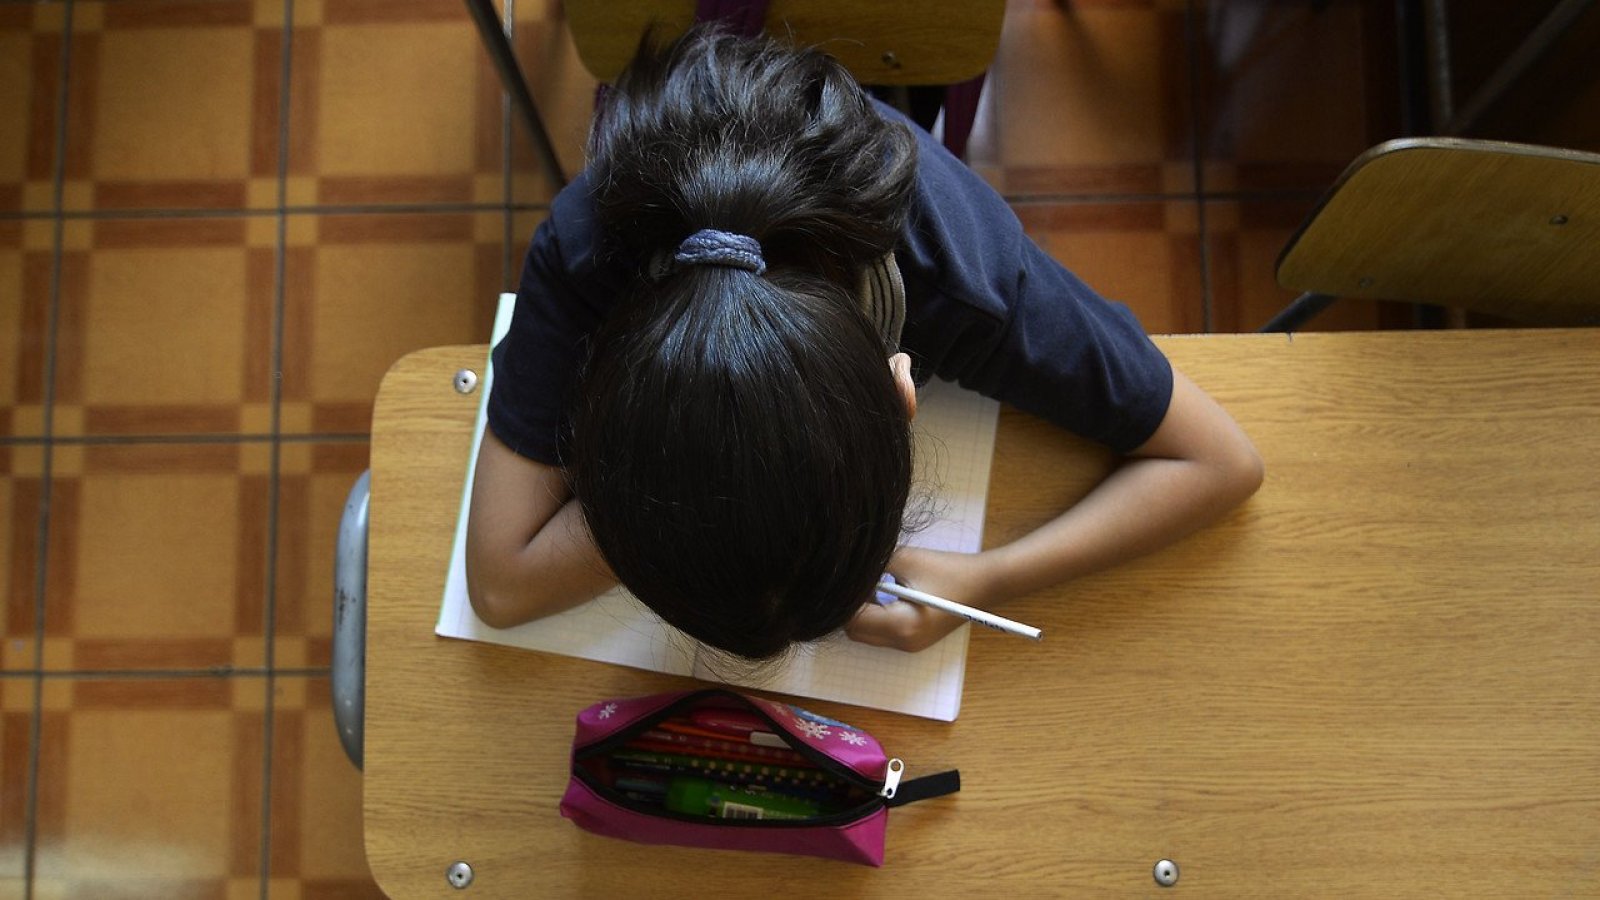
[[1381, 677]]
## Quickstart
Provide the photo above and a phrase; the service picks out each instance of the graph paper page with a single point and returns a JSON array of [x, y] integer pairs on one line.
[[954, 445]]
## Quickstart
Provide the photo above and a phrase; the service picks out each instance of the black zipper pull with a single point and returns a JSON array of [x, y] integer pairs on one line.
[[925, 788]]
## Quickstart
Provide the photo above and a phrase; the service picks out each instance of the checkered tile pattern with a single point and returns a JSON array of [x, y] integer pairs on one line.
[[222, 220]]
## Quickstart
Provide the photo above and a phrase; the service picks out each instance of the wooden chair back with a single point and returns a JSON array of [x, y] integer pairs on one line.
[[1511, 230]]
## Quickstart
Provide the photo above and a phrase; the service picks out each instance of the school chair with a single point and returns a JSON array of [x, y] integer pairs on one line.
[[895, 44], [906, 43], [497, 45], [1483, 226]]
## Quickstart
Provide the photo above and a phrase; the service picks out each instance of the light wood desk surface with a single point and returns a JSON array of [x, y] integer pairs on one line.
[[1381, 677]]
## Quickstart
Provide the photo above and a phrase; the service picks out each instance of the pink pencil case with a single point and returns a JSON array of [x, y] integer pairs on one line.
[[719, 769]]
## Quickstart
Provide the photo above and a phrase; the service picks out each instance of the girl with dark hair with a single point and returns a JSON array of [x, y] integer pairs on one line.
[[707, 388]]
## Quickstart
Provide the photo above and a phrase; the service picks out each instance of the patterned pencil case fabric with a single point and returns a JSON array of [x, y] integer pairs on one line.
[[719, 769]]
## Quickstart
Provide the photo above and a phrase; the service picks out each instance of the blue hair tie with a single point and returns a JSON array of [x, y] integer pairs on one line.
[[710, 247]]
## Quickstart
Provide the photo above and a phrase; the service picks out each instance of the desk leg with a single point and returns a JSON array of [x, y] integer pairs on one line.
[[505, 63]]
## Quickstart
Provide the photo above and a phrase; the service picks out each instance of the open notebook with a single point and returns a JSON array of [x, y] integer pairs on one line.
[[955, 444]]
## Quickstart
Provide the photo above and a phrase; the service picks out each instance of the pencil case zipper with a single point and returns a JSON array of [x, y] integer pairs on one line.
[[840, 818], [882, 791]]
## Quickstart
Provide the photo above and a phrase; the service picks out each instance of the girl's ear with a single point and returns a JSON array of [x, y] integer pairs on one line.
[[900, 366]]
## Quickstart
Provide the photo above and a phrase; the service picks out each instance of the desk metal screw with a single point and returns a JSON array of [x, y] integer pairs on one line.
[[1166, 873], [1558, 220], [459, 875], [890, 59], [466, 381], [1364, 283]]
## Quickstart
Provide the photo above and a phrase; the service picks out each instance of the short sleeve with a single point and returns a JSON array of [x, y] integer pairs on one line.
[[564, 295], [1070, 356], [989, 309]]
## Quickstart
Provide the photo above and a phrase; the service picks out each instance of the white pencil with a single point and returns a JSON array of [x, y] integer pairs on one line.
[[998, 623]]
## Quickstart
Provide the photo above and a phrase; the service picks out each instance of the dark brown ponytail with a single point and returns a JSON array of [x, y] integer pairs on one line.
[[741, 453]]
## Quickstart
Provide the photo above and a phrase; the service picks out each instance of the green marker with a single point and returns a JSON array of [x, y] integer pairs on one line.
[[699, 797]]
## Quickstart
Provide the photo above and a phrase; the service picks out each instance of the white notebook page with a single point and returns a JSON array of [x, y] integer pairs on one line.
[[954, 447]]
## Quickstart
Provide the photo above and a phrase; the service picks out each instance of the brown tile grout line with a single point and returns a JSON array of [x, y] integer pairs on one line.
[[1233, 196], [310, 209], [42, 554], [168, 674], [274, 477], [314, 437], [1196, 96], [1241, 195], [1257, 195], [508, 222]]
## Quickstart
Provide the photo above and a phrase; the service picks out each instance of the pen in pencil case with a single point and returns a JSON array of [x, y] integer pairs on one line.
[[762, 739], [736, 723], [648, 763], [889, 586], [804, 788], [719, 747], [646, 743], [681, 763], [696, 796]]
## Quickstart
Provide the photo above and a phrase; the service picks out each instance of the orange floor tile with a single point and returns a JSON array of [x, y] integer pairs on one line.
[[222, 220]]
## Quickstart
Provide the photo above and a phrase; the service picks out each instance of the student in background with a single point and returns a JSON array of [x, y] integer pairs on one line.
[[707, 388]]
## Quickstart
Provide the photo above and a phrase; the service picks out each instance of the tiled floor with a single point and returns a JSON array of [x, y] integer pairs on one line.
[[1165, 150], [222, 220]]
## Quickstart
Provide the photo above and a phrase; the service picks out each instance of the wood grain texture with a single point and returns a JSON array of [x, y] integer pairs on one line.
[[1498, 228], [896, 42], [1381, 677]]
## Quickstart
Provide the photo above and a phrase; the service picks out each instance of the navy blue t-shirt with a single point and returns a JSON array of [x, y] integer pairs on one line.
[[985, 307]]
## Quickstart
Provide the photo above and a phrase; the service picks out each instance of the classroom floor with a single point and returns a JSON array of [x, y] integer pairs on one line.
[[222, 220]]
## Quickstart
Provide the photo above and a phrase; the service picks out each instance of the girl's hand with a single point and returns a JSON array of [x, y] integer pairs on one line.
[[912, 627]]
